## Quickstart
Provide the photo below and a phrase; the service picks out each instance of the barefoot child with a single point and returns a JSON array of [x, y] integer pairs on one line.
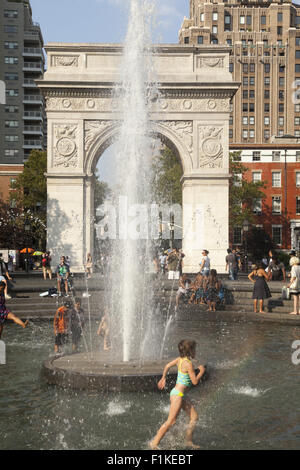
[[104, 330], [186, 378], [6, 314]]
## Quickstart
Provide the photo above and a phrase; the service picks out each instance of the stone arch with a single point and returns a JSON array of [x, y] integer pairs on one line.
[[99, 135]]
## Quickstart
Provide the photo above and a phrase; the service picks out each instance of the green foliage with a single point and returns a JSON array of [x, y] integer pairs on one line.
[[242, 193], [259, 243], [101, 192], [167, 173], [29, 195]]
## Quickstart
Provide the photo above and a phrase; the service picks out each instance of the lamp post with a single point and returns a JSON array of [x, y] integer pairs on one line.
[[246, 226], [27, 228]]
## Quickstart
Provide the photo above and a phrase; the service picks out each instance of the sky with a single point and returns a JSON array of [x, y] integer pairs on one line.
[[102, 20]]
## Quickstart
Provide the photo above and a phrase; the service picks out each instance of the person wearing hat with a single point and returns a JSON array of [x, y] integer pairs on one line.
[[294, 285], [61, 322], [293, 255]]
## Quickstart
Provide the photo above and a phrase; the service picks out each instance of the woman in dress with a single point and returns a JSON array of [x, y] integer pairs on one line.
[[261, 290], [295, 284], [212, 286]]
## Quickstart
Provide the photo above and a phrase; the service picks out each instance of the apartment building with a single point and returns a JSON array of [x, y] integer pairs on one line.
[[22, 117], [263, 38]]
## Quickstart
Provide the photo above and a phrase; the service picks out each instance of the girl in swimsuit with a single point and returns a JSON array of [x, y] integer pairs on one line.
[[186, 378]]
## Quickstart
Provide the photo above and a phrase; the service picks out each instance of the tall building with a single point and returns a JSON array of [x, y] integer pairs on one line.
[[22, 118], [263, 38]]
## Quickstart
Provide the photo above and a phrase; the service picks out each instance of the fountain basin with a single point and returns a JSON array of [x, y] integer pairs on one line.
[[83, 372]]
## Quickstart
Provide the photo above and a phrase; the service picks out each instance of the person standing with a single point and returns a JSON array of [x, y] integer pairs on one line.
[[205, 264], [76, 323], [163, 260], [261, 290], [63, 272], [89, 266], [295, 284], [5, 313], [231, 265], [4, 277], [46, 264], [173, 264], [61, 322]]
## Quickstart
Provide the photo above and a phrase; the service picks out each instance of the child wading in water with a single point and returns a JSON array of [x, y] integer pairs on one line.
[[5, 313], [104, 330], [185, 378]]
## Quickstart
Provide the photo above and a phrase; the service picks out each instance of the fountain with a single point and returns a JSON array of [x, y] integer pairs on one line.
[[133, 360]]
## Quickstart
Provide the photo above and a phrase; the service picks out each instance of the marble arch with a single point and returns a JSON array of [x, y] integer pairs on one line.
[[191, 114]]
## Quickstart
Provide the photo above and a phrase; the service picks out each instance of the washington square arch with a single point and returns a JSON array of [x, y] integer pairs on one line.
[[191, 115]]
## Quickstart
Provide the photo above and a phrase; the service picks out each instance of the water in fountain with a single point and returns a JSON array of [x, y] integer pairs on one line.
[[131, 301]]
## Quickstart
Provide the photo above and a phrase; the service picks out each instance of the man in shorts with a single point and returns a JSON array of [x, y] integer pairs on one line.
[[63, 272], [4, 275]]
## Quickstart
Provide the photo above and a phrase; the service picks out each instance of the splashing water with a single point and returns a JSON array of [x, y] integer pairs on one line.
[[131, 292]]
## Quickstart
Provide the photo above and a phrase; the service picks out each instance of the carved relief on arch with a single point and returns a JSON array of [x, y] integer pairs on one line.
[[211, 149], [93, 130], [184, 131], [65, 151]]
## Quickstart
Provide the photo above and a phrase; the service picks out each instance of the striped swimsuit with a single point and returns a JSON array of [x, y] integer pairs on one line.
[[183, 378]]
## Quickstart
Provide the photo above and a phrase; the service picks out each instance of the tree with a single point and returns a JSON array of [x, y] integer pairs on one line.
[[29, 195], [242, 194], [259, 243], [167, 173], [11, 227]]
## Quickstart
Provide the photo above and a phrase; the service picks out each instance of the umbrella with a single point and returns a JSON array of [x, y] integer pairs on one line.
[[27, 250], [37, 253]]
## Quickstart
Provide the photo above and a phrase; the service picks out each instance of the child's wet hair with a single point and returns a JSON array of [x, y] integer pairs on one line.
[[187, 348]]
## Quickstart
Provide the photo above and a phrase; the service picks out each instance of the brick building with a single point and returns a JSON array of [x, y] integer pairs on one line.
[[263, 38]]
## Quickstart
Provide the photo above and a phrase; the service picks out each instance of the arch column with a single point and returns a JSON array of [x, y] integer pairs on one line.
[[205, 220]]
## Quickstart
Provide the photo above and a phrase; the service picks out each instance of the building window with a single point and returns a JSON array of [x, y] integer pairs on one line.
[[8, 28], [11, 152], [202, 17], [277, 234], [245, 134], [281, 68], [297, 133], [200, 39], [297, 156], [257, 206], [230, 133], [251, 107], [252, 67], [229, 42], [245, 81], [12, 92], [227, 19], [276, 156], [279, 17], [11, 76], [267, 81], [11, 60], [11, 123], [281, 95], [297, 121], [11, 109], [11, 138], [297, 108], [245, 68], [230, 120], [251, 120], [10, 14], [281, 81], [297, 205], [186, 40], [267, 121], [267, 68], [297, 40], [245, 120], [281, 107], [267, 94], [280, 121], [263, 19], [245, 107], [298, 179], [276, 204], [215, 29], [231, 67], [249, 20], [245, 94], [252, 81], [242, 19], [237, 236], [267, 107], [251, 93], [279, 30], [276, 179], [10, 45], [251, 134], [297, 68], [256, 156], [266, 134], [256, 175], [215, 16]]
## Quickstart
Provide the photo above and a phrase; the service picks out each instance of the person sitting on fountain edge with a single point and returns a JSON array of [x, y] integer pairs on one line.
[[185, 379]]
